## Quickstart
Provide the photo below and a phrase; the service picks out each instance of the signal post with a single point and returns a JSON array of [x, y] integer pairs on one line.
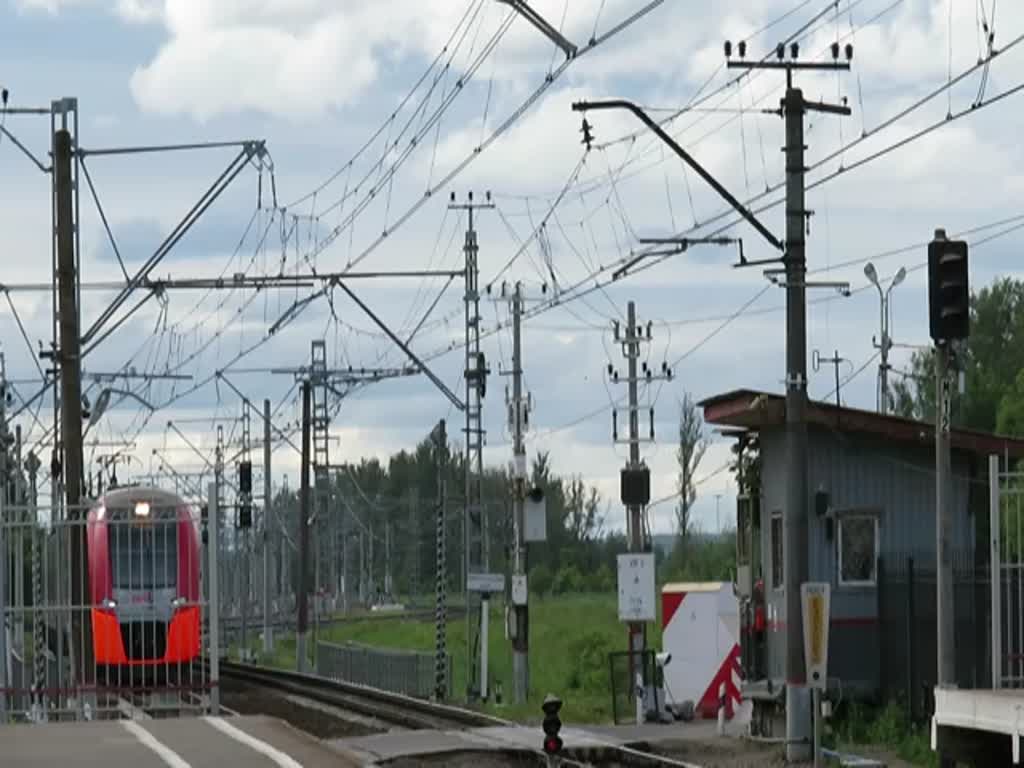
[[949, 325]]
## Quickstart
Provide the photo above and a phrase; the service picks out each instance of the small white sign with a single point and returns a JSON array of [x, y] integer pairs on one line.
[[490, 583], [535, 517], [636, 587], [520, 595], [814, 598]]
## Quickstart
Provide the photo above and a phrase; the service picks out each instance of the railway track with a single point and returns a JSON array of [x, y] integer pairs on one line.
[[391, 708], [256, 623]]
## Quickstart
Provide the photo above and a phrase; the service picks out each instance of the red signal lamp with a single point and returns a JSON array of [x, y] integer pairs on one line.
[[552, 745]]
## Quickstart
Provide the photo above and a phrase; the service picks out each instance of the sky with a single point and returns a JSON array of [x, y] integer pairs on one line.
[[373, 114]]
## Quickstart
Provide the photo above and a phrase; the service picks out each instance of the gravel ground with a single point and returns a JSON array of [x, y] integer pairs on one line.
[[252, 700], [468, 760], [721, 753]]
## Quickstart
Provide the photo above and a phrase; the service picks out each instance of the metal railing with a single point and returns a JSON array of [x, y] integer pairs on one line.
[[399, 671], [104, 611]]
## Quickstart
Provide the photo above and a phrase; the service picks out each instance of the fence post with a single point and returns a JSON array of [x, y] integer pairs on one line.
[[883, 686], [911, 624]]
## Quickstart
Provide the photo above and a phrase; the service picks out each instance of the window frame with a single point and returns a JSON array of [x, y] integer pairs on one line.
[[841, 519], [781, 586]]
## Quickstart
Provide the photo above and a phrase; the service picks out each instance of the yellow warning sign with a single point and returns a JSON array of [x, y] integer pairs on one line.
[[816, 617], [815, 604]]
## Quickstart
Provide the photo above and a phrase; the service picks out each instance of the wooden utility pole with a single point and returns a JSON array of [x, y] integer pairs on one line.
[[71, 401]]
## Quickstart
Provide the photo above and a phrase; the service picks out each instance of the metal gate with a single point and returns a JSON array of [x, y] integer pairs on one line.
[[105, 610], [1006, 500]]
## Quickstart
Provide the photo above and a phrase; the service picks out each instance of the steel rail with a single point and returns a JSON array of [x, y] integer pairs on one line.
[[394, 708]]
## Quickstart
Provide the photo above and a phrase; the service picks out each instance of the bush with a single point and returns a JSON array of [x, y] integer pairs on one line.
[[602, 580], [540, 580], [588, 663], [568, 580]]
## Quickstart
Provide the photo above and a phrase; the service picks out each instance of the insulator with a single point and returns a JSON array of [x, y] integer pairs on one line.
[[794, 50], [835, 51], [616, 322], [849, 51], [743, 49], [615, 376], [728, 49], [780, 51], [643, 365], [650, 325], [453, 197], [610, 369], [652, 423]]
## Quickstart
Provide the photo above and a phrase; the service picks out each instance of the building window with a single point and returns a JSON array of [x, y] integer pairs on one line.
[[776, 544], [858, 550]]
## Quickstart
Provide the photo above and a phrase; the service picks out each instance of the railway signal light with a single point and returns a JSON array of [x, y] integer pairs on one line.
[[552, 724], [949, 296], [245, 476]]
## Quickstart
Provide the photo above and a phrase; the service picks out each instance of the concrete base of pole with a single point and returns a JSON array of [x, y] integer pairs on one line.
[[519, 672], [798, 723]]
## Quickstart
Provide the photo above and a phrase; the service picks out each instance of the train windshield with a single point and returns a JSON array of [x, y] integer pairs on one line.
[[144, 553]]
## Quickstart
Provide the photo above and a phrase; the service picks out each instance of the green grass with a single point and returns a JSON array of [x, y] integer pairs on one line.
[[570, 638], [886, 727]]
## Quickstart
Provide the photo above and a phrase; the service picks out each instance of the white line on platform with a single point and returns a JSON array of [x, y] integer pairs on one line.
[[279, 757], [168, 755]]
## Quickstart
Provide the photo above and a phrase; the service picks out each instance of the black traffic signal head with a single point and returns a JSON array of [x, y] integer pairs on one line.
[[949, 295], [245, 515], [552, 724], [245, 476]]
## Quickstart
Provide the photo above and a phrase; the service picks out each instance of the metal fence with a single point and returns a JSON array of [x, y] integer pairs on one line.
[[105, 609], [906, 644], [623, 667], [400, 671]]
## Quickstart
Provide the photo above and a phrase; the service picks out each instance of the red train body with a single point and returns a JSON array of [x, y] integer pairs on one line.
[[143, 560]]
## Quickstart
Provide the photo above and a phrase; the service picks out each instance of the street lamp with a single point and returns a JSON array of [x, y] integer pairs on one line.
[[886, 342]]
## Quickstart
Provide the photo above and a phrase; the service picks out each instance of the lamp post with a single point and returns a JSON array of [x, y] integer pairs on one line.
[[886, 341]]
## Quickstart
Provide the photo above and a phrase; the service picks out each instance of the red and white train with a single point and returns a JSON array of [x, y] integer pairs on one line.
[[144, 556], [143, 566]]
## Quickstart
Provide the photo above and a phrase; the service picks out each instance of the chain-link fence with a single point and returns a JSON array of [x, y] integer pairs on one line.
[[400, 671], [104, 609]]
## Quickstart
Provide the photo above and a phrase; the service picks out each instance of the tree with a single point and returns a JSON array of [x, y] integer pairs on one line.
[[994, 359], [692, 445]]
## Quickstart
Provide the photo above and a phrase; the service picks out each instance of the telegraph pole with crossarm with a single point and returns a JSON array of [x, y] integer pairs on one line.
[[795, 547]]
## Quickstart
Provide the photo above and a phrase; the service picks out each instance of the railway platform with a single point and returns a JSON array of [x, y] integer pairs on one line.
[[187, 742], [591, 740]]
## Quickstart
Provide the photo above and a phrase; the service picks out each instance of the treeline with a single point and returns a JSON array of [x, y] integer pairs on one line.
[[389, 536]]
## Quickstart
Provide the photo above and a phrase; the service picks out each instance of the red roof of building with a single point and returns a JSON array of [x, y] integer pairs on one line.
[[750, 409]]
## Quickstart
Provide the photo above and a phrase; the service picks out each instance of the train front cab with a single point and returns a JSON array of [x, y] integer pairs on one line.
[[144, 581]]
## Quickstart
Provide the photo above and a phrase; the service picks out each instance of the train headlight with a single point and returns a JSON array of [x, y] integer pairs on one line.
[[142, 509]]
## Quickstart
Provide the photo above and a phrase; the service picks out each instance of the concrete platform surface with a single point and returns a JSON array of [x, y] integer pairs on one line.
[[397, 744], [187, 742]]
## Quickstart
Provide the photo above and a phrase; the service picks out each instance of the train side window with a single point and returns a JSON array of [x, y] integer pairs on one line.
[[777, 551], [858, 550]]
